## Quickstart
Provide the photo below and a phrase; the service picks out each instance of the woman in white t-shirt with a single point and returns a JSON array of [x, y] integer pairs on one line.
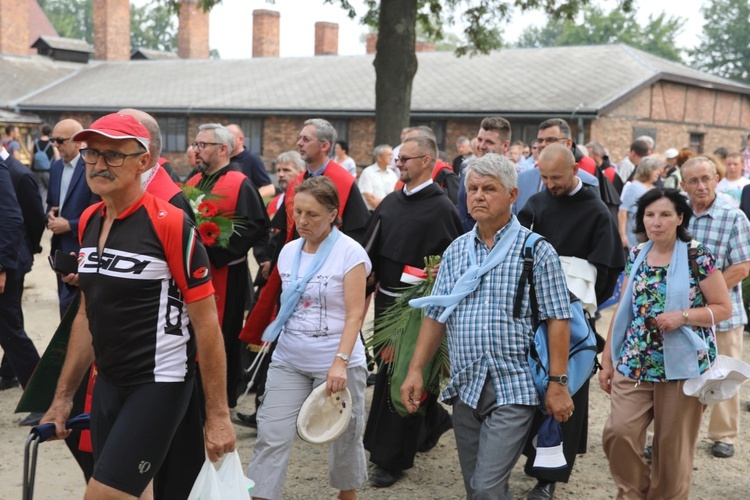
[[319, 343]]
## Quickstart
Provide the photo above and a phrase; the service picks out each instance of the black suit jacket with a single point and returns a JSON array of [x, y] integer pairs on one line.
[[32, 210], [11, 222], [78, 198]]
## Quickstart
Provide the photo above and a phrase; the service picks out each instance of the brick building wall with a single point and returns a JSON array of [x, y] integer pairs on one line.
[[675, 111]]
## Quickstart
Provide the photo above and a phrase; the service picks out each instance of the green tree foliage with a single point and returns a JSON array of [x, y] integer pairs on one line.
[[725, 43], [71, 18], [657, 36], [153, 26]]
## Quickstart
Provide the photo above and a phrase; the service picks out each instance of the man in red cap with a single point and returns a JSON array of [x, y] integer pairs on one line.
[[147, 304]]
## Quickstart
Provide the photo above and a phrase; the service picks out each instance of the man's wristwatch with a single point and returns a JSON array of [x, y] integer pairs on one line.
[[343, 356], [562, 379]]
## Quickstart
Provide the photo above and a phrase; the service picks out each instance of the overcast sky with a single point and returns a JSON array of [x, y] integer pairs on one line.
[[232, 21]]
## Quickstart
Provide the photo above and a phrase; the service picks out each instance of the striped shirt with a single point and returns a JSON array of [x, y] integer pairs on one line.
[[725, 231], [483, 337]]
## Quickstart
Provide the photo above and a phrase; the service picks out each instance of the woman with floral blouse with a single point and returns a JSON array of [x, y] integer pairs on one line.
[[660, 336]]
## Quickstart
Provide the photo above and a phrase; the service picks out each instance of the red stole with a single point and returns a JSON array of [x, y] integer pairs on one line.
[[273, 207], [266, 307], [162, 186], [228, 188]]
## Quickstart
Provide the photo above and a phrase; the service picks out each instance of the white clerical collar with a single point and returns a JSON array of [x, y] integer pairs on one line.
[[3, 153], [418, 188], [577, 188]]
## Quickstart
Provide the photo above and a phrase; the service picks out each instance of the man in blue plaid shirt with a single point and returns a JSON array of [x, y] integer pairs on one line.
[[491, 389], [725, 231]]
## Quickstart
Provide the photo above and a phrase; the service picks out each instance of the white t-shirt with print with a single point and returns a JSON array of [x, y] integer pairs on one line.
[[732, 190], [310, 338]]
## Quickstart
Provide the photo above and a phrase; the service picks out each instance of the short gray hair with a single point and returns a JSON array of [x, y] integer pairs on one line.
[[462, 140], [500, 167], [648, 140], [596, 148], [292, 158], [647, 166], [222, 134], [697, 160], [324, 131], [379, 149]]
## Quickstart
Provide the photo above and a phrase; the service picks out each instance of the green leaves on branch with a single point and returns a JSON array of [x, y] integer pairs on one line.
[[724, 48], [657, 36]]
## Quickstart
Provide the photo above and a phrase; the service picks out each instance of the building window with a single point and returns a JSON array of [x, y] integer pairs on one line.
[[342, 129], [696, 142], [641, 131], [253, 130], [438, 128], [173, 133]]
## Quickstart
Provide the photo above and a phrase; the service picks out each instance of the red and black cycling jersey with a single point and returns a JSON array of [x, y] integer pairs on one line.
[[152, 264]]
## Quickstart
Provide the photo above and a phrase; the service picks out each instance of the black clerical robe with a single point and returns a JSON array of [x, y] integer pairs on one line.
[[403, 231], [580, 226]]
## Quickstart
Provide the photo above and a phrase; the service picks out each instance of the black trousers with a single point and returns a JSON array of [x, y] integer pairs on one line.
[[19, 350], [574, 436], [234, 311], [393, 440]]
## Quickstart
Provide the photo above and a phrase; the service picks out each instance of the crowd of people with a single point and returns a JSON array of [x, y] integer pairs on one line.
[[166, 316]]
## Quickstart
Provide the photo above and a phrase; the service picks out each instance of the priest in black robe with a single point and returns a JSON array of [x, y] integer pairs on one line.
[[573, 218], [409, 224]]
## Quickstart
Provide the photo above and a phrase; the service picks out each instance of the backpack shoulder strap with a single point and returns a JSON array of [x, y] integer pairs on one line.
[[527, 276]]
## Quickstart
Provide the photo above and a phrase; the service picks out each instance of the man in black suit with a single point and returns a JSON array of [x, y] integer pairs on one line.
[[21, 354], [67, 198]]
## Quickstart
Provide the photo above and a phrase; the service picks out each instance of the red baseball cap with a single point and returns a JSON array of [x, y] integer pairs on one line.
[[117, 126]]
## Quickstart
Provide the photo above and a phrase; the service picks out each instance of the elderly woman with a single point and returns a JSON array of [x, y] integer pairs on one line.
[[323, 277], [661, 335], [646, 173]]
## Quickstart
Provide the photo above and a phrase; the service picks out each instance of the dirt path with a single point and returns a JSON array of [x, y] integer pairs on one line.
[[435, 475]]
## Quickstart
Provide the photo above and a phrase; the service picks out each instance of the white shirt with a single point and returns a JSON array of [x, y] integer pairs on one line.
[[310, 338], [67, 175], [732, 190], [418, 188], [377, 182]]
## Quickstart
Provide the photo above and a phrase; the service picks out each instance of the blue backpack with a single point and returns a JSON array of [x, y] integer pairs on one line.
[[583, 346], [41, 160]]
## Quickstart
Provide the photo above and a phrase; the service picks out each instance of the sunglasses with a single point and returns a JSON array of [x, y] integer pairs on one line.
[[59, 140]]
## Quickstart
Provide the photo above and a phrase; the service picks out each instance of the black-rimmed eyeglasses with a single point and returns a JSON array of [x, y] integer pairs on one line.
[[202, 145], [404, 159], [111, 158]]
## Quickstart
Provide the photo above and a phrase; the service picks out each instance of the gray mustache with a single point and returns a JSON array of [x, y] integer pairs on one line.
[[103, 173]]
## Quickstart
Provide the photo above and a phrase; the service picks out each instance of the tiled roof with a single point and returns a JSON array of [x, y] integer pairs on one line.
[[156, 54], [564, 80], [60, 43], [11, 117], [21, 76]]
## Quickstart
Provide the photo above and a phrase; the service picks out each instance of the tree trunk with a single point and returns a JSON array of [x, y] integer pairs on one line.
[[395, 67]]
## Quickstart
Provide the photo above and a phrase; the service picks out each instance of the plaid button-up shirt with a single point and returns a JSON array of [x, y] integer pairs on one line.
[[725, 231], [483, 337]]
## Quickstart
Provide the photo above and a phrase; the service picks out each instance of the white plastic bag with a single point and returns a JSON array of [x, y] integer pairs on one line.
[[229, 483]]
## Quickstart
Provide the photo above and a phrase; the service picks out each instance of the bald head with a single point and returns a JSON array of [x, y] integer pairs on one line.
[[152, 126], [65, 129], [239, 138], [558, 169]]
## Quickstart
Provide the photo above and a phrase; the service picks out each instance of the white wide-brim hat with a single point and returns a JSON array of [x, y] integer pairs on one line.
[[720, 382], [324, 418]]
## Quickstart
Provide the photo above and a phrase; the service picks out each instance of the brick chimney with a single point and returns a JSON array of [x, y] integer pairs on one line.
[[14, 27], [371, 42], [192, 31], [424, 47], [326, 39], [265, 33], [112, 30]]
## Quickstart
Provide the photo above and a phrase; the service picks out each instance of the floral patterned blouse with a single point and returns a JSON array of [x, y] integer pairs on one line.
[[642, 354]]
